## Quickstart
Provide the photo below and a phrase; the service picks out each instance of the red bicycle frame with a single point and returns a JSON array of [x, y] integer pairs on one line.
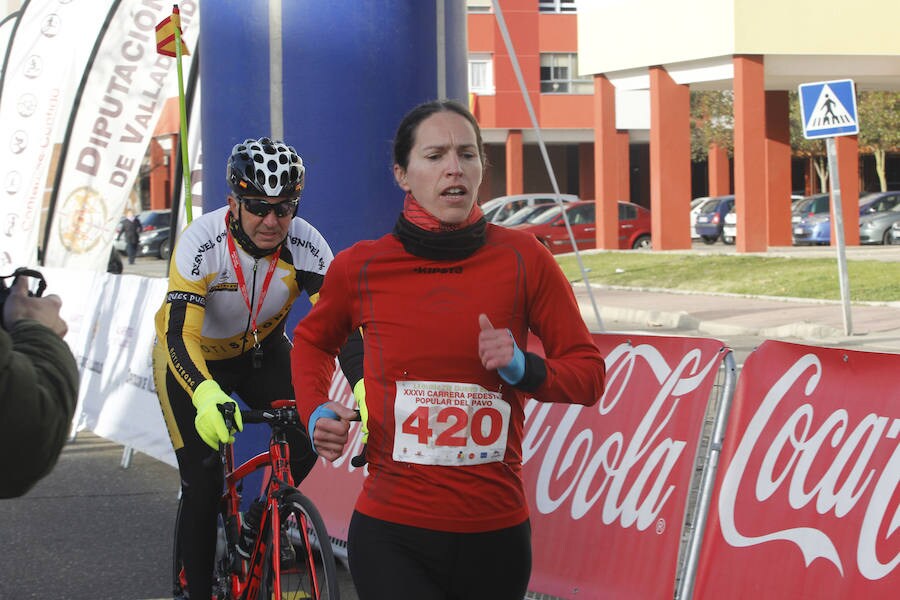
[[276, 459]]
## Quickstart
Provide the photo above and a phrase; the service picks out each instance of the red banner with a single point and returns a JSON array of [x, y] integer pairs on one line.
[[806, 502], [607, 485]]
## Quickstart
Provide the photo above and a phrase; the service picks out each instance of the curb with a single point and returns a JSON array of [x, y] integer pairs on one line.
[[684, 321], [599, 286]]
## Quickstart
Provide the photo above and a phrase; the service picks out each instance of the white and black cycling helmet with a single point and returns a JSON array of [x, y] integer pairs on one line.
[[265, 167]]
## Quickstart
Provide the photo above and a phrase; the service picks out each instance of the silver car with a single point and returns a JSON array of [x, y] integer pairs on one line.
[[875, 226], [499, 209]]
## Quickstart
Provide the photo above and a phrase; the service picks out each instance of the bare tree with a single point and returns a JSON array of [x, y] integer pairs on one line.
[[879, 127]]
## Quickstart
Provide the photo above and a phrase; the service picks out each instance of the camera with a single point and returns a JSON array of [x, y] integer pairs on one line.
[[20, 272]]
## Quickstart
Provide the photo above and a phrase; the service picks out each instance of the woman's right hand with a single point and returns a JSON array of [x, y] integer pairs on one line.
[[331, 434]]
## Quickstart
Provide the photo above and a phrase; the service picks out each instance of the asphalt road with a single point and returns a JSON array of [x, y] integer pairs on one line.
[[93, 530]]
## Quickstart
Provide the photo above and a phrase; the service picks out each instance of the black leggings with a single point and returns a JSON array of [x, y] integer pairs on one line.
[[201, 473], [399, 562]]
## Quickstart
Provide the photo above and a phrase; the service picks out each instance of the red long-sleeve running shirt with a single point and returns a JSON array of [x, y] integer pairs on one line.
[[445, 434]]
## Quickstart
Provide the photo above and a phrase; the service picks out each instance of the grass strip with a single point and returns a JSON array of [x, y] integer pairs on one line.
[[816, 278]]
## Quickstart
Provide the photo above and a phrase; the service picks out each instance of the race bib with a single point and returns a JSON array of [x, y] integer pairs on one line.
[[449, 423]]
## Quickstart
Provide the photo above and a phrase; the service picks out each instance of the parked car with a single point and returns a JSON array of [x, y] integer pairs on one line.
[[729, 229], [711, 218], [526, 215], [499, 209], [815, 227], [895, 233], [875, 227], [815, 204], [550, 227], [696, 207], [154, 237]]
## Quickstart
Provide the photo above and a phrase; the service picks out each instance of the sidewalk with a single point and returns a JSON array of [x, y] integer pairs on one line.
[[873, 327]]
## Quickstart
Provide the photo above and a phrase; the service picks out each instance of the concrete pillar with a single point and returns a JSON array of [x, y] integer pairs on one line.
[[515, 173], [623, 165], [848, 172], [586, 171], [719, 171], [605, 163], [160, 182], [670, 162], [778, 169], [749, 153]]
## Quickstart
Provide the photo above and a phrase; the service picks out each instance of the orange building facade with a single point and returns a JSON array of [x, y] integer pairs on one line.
[[545, 40]]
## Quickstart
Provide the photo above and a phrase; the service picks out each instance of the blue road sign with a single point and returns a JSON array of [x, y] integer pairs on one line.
[[828, 109]]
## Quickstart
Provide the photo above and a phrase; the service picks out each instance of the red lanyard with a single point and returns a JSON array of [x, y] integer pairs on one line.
[[236, 261]]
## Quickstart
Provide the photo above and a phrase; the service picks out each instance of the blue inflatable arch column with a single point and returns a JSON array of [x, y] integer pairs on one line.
[[349, 72], [333, 79]]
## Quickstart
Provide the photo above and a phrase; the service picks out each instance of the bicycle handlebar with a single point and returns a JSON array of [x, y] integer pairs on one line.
[[286, 417]]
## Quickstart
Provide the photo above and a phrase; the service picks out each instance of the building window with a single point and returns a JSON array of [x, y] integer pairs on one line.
[[557, 6], [559, 75], [481, 74], [478, 6]]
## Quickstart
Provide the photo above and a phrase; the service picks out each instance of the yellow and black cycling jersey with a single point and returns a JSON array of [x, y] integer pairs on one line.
[[205, 315]]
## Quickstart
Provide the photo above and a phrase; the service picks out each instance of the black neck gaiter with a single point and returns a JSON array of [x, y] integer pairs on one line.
[[443, 245]]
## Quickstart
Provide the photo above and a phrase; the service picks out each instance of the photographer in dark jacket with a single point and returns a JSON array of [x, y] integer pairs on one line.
[[38, 388]]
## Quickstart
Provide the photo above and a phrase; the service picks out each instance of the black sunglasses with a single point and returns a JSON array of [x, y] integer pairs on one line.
[[261, 208]]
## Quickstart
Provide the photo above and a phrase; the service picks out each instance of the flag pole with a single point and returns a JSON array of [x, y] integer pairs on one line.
[[185, 163]]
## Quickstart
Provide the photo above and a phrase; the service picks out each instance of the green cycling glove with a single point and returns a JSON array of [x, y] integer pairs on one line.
[[210, 423]]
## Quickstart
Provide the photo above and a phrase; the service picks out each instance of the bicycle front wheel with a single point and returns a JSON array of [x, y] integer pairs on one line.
[[307, 569]]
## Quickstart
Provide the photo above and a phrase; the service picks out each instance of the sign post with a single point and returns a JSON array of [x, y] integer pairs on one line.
[[828, 109]]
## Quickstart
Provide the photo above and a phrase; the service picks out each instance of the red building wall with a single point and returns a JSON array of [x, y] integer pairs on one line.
[[531, 34]]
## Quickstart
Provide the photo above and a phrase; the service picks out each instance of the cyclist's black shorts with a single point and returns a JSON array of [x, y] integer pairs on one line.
[[388, 560]]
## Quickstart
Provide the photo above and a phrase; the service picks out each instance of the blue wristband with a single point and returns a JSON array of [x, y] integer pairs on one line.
[[515, 370], [321, 411]]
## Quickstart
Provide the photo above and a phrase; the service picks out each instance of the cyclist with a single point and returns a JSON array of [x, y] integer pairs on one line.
[[234, 276], [446, 302]]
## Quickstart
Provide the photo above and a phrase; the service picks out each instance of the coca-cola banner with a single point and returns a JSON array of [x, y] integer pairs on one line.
[[608, 484], [806, 502]]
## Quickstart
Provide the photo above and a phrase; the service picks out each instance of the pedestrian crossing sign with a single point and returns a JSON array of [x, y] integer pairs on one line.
[[828, 109]]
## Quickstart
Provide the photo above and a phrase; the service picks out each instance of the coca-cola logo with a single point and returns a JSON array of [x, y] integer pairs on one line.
[[627, 470], [819, 458]]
